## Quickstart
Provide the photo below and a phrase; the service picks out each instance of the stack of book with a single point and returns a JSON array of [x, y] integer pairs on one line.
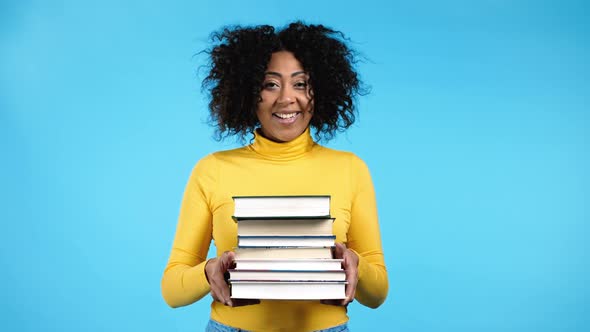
[[285, 249]]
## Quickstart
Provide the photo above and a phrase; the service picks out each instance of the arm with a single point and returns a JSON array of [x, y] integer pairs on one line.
[[184, 280], [364, 239]]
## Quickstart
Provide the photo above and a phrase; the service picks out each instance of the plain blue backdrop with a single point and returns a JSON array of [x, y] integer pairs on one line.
[[476, 133]]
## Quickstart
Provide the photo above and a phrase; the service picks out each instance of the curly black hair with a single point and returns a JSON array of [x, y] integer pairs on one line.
[[239, 58]]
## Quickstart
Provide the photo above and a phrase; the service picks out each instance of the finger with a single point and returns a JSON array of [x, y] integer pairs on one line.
[[221, 296], [215, 293], [218, 296], [226, 260], [217, 278], [349, 295], [351, 276], [224, 293], [350, 290], [220, 290], [339, 250], [351, 282]]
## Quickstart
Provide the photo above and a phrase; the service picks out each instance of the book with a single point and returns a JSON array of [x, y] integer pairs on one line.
[[285, 249], [286, 275], [283, 252], [286, 290], [289, 264], [281, 206], [285, 226], [286, 240]]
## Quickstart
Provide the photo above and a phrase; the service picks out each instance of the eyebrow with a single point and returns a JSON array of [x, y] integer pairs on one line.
[[274, 73]]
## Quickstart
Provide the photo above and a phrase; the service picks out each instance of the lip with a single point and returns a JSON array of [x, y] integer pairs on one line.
[[289, 120], [287, 112]]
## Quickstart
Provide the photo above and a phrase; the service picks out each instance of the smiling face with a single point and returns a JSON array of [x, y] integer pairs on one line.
[[286, 107]]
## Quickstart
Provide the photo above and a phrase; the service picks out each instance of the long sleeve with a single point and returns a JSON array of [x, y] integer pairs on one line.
[[364, 239], [298, 167], [184, 280]]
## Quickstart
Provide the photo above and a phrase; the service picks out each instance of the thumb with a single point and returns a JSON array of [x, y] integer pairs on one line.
[[339, 250], [226, 260]]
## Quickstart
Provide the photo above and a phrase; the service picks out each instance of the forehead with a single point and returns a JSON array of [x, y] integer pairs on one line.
[[284, 62]]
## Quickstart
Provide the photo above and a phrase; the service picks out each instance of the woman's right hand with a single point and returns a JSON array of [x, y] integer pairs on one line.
[[215, 270]]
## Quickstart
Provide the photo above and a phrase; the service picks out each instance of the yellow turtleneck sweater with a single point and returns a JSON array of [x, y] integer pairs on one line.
[[299, 167]]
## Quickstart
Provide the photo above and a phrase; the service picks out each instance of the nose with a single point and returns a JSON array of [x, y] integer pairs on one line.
[[286, 96]]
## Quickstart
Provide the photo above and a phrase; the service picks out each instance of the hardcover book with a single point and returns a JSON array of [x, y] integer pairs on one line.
[[285, 290], [281, 206], [285, 249], [289, 264], [283, 252], [286, 240], [286, 275], [285, 226]]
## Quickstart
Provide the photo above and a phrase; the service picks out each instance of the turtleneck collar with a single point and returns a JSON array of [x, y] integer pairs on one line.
[[294, 149]]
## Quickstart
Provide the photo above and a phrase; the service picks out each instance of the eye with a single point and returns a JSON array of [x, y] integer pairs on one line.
[[301, 85], [270, 85]]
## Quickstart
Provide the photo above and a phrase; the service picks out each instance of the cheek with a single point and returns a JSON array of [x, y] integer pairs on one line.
[[262, 102], [263, 109], [306, 104], [265, 102]]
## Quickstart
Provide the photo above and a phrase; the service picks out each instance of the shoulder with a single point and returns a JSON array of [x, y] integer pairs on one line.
[[208, 168], [215, 158], [207, 162], [213, 162], [347, 162], [341, 156], [231, 154]]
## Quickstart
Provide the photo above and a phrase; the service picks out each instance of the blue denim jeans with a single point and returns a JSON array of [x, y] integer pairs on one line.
[[214, 326]]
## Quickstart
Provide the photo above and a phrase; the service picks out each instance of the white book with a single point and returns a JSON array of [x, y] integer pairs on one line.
[[283, 252], [286, 275], [289, 264], [285, 226], [288, 290], [286, 240], [281, 206]]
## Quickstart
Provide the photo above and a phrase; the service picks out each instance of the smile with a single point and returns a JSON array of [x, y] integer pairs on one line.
[[286, 115], [286, 118]]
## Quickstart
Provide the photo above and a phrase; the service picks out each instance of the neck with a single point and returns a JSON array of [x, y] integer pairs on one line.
[[274, 150]]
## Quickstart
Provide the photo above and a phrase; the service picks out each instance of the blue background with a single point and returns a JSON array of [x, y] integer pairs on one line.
[[476, 133]]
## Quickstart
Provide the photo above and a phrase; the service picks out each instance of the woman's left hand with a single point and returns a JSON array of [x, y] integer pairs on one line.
[[350, 265]]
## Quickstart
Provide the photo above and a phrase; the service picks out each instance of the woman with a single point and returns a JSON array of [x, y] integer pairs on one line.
[[277, 85]]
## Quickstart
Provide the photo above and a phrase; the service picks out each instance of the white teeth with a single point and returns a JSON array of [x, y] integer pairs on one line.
[[285, 116]]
